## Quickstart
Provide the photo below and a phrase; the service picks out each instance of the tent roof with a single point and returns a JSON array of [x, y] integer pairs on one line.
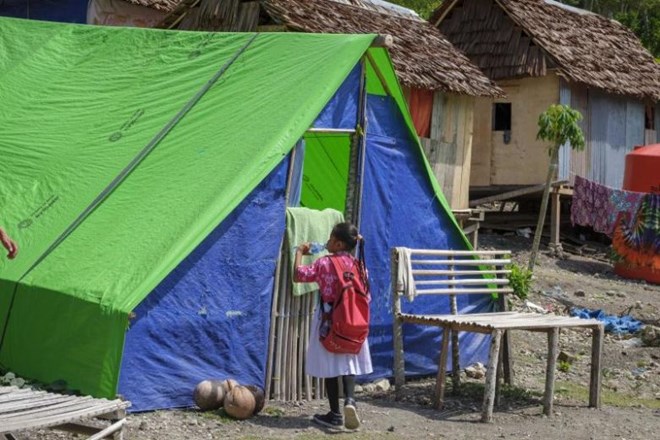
[[81, 102]]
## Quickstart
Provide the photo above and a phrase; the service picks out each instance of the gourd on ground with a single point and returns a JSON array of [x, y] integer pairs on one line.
[[239, 402], [209, 394]]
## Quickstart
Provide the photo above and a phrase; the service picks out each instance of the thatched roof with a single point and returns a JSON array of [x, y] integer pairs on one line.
[[161, 5], [422, 57], [509, 38]]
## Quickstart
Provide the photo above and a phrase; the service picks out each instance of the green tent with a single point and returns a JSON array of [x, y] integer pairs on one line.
[[125, 150]]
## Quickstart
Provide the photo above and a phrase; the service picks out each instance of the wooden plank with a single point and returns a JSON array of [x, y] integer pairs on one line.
[[441, 252], [440, 381], [515, 193], [463, 281], [11, 406], [57, 419], [452, 291], [117, 426], [553, 351], [463, 262], [420, 272], [59, 408], [596, 359], [491, 375]]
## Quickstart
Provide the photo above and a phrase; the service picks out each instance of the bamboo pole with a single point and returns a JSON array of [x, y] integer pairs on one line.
[[308, 379], [283, 292], [273, 321]]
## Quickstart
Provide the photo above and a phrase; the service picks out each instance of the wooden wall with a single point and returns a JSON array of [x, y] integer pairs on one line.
[[523, 160], [449, 149]]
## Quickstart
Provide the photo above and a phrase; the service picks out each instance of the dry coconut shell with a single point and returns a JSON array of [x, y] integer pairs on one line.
[[259, 398], [240, 402], [228, 384], [209, 394]]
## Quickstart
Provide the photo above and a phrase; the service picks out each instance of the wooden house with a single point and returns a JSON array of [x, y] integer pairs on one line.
[[441, 84], [541, 52]]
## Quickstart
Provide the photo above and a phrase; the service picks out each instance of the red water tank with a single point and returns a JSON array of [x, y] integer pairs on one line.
[[643, 169], [635, 256]]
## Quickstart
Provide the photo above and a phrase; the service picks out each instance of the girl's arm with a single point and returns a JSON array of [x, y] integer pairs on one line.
[[300, 273]]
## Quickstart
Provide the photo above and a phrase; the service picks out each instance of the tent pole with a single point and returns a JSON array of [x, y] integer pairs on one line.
[[356, 163], [362, 144]]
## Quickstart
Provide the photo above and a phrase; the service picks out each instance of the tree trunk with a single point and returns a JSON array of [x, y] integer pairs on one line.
[[552, 169]]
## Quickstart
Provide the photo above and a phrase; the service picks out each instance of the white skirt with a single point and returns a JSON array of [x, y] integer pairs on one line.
[[321, 363]]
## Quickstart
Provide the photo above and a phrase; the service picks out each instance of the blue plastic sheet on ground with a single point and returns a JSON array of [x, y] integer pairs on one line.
[[613, 324]]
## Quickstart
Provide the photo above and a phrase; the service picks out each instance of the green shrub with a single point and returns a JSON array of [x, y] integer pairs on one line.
[[520, 280]]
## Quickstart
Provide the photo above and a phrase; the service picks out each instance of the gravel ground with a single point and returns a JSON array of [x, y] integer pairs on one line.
[[631, 379]]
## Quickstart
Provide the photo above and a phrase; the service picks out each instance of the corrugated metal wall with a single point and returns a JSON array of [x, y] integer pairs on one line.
[[616, 126]]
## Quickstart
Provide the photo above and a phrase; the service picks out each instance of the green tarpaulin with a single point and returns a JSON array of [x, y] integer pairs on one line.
[[79, 104]]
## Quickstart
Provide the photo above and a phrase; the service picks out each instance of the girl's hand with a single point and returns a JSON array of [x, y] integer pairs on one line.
[[304, 248], [9, 244]]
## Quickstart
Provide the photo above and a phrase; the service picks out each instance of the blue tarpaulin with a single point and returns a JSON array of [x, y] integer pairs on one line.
[[210, 317], [399, 209], [613, 324], [64, 11]]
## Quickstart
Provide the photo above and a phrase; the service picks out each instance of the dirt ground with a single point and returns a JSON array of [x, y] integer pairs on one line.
[[631, 379]]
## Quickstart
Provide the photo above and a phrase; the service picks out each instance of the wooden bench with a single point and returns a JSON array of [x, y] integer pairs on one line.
[[448, 272], [23, 409]]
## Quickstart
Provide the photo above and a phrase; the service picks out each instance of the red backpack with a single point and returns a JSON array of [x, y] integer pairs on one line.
[[349, 318]]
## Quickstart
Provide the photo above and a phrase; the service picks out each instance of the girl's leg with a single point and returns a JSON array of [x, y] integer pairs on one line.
[[333, 419], [351, 419], [332, 388], [349, 387]]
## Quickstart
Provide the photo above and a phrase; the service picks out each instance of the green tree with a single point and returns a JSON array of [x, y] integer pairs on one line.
[[640, 16], [559, 125], [423, 7]]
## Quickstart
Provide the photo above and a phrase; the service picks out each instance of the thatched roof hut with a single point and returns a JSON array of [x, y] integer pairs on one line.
[[514, 38], [422, 56]]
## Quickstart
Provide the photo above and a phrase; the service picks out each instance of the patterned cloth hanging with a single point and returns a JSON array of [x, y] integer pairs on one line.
[[636, 240], [598, 206]]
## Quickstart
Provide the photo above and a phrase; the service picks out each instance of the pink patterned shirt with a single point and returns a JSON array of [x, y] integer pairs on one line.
[[323, 273]]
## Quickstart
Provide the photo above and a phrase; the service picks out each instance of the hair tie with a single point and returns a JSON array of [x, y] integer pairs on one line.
[[360, 238]]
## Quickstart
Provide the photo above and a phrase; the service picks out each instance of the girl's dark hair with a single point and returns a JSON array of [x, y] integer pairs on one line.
[[348, 234]]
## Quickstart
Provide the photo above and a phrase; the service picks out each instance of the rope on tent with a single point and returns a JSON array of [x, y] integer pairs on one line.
[[125, 172]]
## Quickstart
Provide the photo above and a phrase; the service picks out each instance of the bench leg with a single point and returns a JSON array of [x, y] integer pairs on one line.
[[455, 362], [399, 367], [440, 382], [553, 348], [507, 361], [596, 358], [491, 376]]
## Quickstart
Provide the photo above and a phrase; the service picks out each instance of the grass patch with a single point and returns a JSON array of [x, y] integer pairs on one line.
[[475, 391], [611, 398], [273, 411]]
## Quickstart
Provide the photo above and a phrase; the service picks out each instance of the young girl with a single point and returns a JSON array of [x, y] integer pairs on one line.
[[320, 362]]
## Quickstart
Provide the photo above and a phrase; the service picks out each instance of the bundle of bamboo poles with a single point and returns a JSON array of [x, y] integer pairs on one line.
[[291, 320]]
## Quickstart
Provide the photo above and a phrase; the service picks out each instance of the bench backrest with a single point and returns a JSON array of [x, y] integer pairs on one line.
[[449, 272]]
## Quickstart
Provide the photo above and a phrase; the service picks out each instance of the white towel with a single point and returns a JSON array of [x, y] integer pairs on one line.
[[405, 282]]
